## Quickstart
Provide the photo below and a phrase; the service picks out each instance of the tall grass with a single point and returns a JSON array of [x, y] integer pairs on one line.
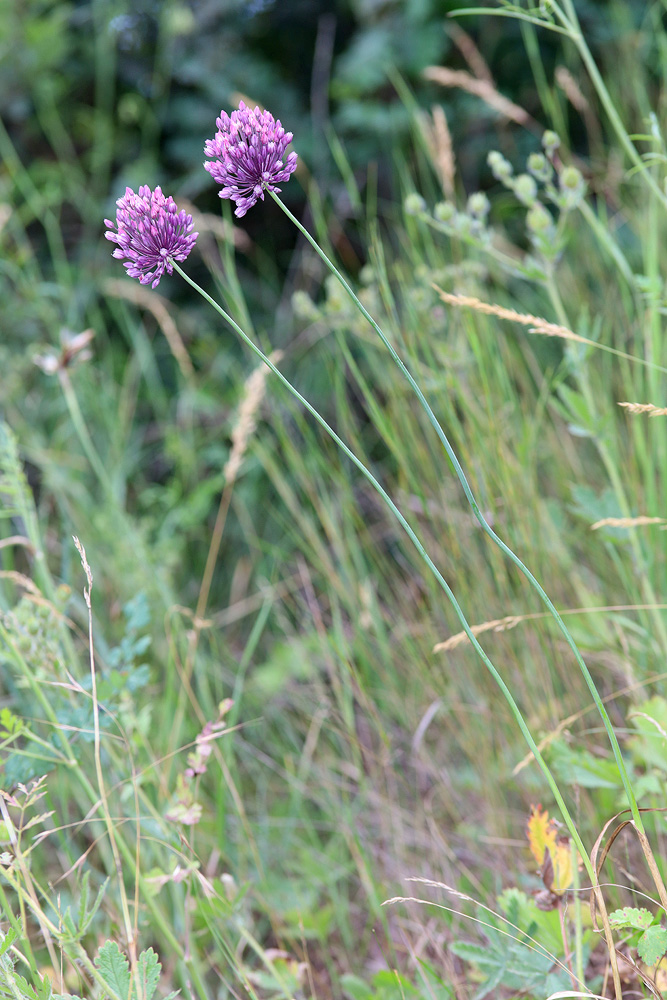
[[267, 730]]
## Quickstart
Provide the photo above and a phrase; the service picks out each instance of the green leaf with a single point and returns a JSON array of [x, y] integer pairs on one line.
[[649, 746], [579, 767], [114, 967], [355, 988], [6, 941], [506, 962], [10, 724], [148, 974], [86, 917], [631, 916], [652, 945]]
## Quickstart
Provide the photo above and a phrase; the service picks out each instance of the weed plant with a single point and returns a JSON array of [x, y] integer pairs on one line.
[[237, 713]]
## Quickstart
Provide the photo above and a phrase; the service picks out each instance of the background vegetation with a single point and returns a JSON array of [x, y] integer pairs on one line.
[[278, 737]]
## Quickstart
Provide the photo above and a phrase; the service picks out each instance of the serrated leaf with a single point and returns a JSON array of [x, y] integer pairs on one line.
[[10, 724], [69, 925], [87, 918], [148, 975], [20, 768], [114, 967], [631, 916], [6, 941], [652, 945]]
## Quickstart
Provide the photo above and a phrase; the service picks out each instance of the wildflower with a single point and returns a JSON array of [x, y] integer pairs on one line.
[[248, 153], [151, 233]]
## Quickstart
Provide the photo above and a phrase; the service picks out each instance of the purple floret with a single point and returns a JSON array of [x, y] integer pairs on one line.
[[248, 154], [150, 233]]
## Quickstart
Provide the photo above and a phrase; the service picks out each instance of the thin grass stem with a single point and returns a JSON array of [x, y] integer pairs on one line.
[[523, 726], [477, 512]]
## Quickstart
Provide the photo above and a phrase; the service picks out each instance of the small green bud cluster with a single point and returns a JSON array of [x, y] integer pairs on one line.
[[550, 143], [572, 188], [501, 168], [414, 204], [525, 189], [471, 223], [539, 220], [478, 206], [539, 166], [444, 211], [303, 307]]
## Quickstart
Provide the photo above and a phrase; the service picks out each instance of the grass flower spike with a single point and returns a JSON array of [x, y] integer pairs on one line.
[[248, 156], [151, 233]]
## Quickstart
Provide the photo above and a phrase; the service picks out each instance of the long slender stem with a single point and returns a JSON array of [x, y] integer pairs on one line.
[[478, 513], [422, 552], [575, 33], [514, 708]]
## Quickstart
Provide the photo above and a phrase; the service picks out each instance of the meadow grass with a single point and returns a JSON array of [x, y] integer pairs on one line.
[[257, 619]]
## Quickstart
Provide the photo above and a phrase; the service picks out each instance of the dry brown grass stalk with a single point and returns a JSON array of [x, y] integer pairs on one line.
[[511, 621], [244, 427], [480, 88], [626, 522], [439, 140], [246, 420], [536, 323], [470, 52], [570, 88], [653, 411], [494, 625], [145, 298]]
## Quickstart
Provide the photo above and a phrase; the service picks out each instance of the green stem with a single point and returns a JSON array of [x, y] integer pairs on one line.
[[516, 712], [82, 431], [618, 756], [478, 513], [578, 919], [577, 37], [151, 902]]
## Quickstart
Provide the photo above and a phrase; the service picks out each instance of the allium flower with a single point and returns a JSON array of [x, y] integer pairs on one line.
[[248, 153], [150, 233]]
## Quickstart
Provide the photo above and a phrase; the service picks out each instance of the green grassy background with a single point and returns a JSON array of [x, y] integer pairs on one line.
[[354, 756]]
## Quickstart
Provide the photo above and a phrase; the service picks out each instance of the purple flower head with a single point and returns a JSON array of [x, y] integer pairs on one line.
[[150, 233], [248, 153]]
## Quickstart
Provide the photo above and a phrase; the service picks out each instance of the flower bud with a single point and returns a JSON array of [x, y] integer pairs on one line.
[[572, 187], [525, 189], [550, 142], [444, 211], [414, 204], [539, 166], [538, 219], [478, 205], [500, 167]]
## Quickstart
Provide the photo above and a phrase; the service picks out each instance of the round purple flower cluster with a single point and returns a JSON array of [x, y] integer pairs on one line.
[[150, 233], [248, 154]]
